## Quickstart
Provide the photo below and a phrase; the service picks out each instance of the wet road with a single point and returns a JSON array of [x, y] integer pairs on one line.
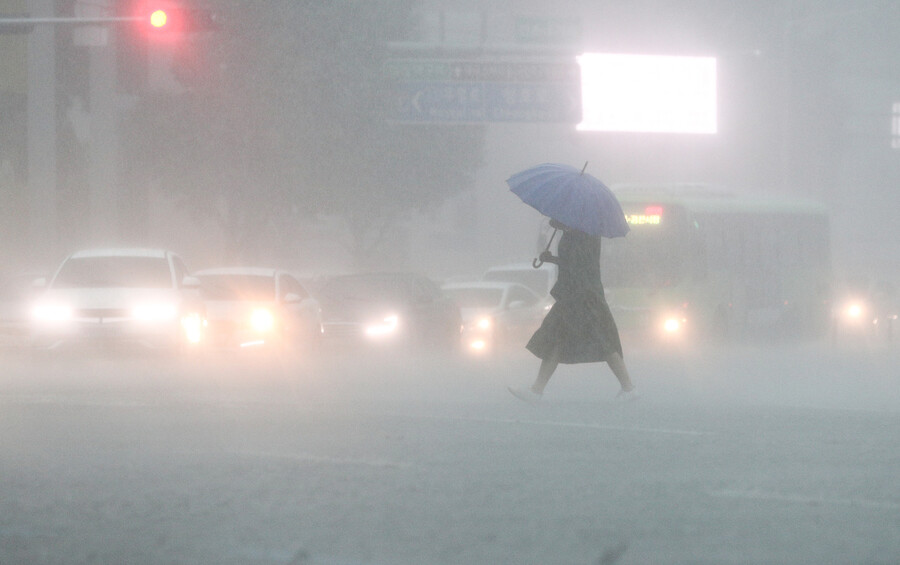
[[745, 455]]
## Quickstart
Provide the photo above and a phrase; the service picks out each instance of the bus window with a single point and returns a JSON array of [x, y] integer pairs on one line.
[[652, 255]]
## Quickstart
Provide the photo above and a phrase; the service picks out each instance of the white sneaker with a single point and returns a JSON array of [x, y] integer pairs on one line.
[[525, 395]]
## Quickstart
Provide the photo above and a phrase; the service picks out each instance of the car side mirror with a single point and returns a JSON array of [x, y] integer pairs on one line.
[[292, 298], [190, 282]]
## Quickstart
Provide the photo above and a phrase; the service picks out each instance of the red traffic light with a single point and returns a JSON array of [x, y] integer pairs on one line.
[[159, 18], [166, 18]]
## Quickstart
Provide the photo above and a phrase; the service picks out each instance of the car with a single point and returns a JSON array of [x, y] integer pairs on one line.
[[254, 307], [114, 297], [496, 315], [389, 309], [539, 279], [17, 291], [864, 310]]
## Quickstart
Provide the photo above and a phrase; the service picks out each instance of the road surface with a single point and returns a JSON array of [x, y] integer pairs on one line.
[[779, 454]]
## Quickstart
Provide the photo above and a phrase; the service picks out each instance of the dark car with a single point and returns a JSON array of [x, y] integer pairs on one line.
[[400, 309]]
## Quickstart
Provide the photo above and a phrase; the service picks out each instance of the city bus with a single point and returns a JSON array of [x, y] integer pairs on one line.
[[702, 264]]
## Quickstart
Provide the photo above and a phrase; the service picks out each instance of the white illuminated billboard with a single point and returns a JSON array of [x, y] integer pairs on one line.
[[648, 93]]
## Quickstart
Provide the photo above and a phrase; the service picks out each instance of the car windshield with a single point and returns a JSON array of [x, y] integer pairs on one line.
[[114, 272], [475, 297], [537, 280], [365, 288], [237, 287]]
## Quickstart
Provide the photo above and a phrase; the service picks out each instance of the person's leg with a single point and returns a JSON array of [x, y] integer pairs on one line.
[[548, 366], [617, 364]]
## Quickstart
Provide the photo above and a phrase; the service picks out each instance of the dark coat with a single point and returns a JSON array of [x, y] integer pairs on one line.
[[579, 327]]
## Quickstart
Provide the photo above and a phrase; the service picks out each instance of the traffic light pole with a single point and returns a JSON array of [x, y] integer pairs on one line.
[[104, 223], [41, 135], [43, 231], [25, 24]]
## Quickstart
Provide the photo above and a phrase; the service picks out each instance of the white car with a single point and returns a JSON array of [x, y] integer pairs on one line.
[[250, 307], [496, 315], [540, 279], [112, 297]]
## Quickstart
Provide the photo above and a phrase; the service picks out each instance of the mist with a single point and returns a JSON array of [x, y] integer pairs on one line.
[[274, 139], [324, 138]]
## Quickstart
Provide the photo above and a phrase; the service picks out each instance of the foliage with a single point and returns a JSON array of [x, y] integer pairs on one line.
[[286, 116]]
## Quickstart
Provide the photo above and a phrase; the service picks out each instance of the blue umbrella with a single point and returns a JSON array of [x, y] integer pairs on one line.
[[571, 197]]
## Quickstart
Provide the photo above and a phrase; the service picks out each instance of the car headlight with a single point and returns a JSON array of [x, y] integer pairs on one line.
[[387, 326], [154, 311], [484, 323], [673, 324], [854, 310], [51, 312], [262, 320], [193, 325]]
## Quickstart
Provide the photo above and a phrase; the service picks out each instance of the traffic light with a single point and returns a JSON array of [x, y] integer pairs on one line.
[[160, 34], [176, 19], [169, 20], [159, 18]]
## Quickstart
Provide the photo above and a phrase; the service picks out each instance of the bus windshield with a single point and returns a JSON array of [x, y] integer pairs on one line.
[[639, 261], [652, 255]]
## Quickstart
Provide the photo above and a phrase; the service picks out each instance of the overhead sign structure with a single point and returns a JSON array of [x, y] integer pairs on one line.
[[458, 91]]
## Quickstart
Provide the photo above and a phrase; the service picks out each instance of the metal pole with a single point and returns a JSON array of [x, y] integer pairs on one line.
[[104, 115], [41, 138]]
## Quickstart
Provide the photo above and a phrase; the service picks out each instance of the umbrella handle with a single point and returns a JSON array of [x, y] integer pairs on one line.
[[536, 263]]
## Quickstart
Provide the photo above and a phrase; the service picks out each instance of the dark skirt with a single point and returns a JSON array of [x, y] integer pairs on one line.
[[579, 331]]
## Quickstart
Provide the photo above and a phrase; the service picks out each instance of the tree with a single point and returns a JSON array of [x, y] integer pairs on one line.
[[291, 118]]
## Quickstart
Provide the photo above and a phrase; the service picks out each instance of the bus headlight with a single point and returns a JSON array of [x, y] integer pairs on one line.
[[854, 312], [673, 325]]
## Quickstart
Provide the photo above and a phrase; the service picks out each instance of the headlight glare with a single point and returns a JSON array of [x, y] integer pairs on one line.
[[386, 327], [672, 325], [193, 325], [262, 320], [51, 312], [854, 310]]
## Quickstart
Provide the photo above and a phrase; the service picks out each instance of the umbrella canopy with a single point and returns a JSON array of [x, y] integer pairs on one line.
[[571, 196]]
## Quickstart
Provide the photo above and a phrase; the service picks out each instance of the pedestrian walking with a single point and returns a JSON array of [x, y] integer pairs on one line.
[[579, 328]]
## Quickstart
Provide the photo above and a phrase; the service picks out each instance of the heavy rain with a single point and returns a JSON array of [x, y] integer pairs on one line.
[[265, 289]]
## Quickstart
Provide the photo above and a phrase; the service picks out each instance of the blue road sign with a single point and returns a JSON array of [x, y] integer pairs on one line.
[[487, 102], [436, 91]]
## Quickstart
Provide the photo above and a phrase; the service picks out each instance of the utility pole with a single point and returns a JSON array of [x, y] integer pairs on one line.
[[103, 178], [41, 133]]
